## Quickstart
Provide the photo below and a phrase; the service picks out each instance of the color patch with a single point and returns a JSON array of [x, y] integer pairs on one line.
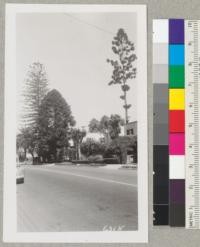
[[161, 93], [160, 53], [160, 134], [176, 31], [177, 191], [176, 77], [160, 31], [177, 167], [176, 99], [160, 113], [160, 127], [177, 214], [176, 143], [176, 55], [161, 214], [176, 121], [161, 174], [160, 73]]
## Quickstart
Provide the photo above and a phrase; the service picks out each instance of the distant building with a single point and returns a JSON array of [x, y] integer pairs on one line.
[[125, 142], [130, 129], [94, 136]]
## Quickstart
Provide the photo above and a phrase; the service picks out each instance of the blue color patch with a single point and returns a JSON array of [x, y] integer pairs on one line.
[[176, 55]]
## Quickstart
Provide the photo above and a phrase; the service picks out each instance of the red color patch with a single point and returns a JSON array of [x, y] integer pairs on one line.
[[177, 121]]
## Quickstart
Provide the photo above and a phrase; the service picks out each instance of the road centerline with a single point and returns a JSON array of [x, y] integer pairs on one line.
[[89, 177]]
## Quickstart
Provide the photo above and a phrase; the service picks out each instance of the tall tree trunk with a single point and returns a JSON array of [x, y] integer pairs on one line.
[[25, 153], [79, 151], [126, 110]]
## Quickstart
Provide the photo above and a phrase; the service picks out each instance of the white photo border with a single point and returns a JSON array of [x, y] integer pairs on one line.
[[10, 233]]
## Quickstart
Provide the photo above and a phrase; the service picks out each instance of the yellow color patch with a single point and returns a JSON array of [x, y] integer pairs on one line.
[[176, 99]]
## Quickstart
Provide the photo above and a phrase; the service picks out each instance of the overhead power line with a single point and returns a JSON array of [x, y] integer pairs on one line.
[[89, 24]]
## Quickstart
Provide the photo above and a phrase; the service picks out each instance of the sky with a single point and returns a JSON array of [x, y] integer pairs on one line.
[[74, 47]]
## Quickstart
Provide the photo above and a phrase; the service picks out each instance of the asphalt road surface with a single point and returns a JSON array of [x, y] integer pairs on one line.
[[70, 198]]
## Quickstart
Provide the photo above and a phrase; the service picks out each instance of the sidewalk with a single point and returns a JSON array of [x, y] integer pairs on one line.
[[119, 166], [112, 167]]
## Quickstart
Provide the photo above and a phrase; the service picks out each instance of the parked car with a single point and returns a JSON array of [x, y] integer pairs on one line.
[[20, 174]]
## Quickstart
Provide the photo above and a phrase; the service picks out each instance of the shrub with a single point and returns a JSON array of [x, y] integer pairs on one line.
[[113, 160], [80, 161], [91, 147], [120, 146], [96, 158]]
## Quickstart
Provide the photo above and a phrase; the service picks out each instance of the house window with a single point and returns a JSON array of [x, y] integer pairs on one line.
[[129, 132]]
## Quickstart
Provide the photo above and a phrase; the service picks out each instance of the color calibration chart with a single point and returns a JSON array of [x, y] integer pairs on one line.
[[176, 83]]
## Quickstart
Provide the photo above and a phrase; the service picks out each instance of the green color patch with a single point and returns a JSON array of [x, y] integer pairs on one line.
[[176, 77]]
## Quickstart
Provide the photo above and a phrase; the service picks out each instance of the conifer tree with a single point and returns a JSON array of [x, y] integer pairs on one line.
[[36, 87], [54, 124]]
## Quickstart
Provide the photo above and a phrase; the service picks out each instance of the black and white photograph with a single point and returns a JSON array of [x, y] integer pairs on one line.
[[75, 123]]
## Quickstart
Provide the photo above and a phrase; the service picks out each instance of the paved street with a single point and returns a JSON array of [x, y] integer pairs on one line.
[[72, 198]]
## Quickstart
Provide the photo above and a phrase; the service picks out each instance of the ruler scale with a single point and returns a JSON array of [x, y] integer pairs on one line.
[[192, 162]]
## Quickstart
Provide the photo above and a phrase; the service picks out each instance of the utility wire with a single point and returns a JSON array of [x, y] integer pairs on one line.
[[89, 24]]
